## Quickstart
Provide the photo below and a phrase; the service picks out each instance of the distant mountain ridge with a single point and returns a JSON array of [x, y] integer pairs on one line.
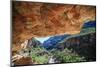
[[89, 24], [53, 41]]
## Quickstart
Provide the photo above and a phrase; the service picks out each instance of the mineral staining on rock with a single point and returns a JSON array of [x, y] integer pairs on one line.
[[44, 19]]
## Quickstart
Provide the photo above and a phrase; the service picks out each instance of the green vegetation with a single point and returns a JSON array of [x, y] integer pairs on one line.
[[88, 30], [40, 59], [40, 55], [67, 56]]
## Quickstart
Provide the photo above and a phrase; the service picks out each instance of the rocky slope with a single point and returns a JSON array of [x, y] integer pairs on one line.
[[21, 54]]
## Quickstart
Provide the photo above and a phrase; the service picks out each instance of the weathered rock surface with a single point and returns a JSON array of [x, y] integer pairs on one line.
[[24, 61], [44, 19]]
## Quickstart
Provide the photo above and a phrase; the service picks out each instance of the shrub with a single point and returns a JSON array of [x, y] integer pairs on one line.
[[40, 55], [67, 56]]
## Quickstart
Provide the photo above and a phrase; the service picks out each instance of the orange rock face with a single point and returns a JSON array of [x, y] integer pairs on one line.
[[24, 61], [32, 19]]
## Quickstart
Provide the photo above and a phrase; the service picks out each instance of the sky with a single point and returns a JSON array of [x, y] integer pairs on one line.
[[42, 39]]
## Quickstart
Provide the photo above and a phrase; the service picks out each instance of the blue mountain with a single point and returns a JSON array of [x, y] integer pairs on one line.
[[51, 42], [89, 24]]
